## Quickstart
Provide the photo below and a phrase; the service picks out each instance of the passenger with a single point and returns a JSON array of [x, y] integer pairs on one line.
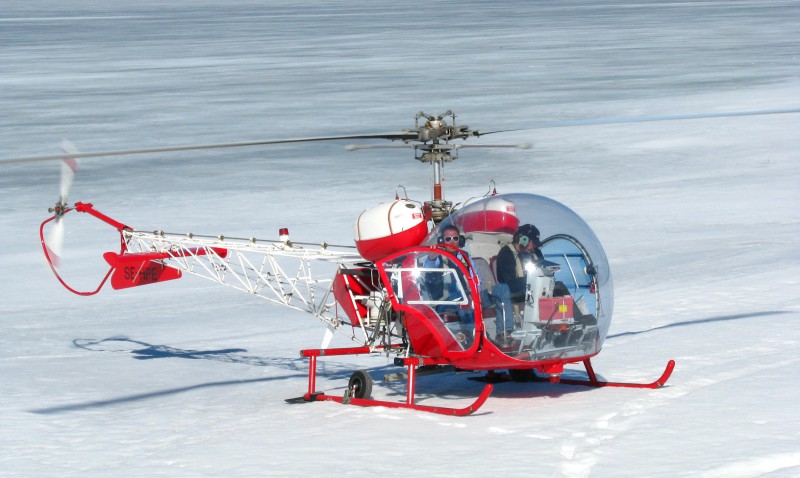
[[512, 258]]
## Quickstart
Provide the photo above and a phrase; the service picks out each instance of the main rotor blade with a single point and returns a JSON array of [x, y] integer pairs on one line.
[[517, 146], [391, 136], [644, 119], [355, 147], [404, 135], [448, 146]]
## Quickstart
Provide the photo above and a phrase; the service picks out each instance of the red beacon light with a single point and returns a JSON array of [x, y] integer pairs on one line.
[[283, 234]]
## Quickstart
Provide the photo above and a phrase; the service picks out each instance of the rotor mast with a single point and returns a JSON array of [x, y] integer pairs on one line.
[[436, 131]]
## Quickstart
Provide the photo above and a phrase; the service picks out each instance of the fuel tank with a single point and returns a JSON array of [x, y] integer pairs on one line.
[[389, 227], [494, 214]]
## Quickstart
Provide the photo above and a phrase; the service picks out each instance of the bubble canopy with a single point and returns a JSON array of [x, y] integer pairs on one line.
[[489, 224]]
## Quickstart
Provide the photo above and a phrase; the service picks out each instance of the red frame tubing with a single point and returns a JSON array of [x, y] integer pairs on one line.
[[594, 382], [411, 363], [136, 257], [364, 402], [87, 208]]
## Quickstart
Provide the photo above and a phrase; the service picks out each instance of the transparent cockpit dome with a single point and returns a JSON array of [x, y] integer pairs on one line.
[[489, 224]]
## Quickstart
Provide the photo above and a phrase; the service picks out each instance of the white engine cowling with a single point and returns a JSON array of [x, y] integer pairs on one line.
[[388, 228]]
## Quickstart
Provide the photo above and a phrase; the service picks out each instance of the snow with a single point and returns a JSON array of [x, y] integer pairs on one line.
[[699, 220]]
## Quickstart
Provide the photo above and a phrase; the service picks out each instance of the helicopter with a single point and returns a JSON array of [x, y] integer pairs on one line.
[[383, 293]]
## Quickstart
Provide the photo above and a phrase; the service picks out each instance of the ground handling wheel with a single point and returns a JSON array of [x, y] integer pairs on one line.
[[360, 384]]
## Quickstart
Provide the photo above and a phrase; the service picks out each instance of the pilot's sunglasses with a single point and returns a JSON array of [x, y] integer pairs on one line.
[[450, 238]]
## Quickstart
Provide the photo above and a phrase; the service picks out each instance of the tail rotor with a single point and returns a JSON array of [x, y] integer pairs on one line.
[[69, 167]]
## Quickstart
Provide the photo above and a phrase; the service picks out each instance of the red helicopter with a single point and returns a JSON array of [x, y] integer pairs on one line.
[[402, 291]]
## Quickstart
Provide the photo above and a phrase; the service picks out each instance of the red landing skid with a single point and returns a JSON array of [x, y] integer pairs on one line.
[[594, 382], [411, 364]]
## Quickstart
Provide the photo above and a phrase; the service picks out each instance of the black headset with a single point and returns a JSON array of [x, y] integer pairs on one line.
[[525, 234]]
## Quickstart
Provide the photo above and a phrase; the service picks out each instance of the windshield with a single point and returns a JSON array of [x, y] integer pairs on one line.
[[433, 289]]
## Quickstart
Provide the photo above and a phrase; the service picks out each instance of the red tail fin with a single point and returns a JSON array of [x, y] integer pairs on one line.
[[138, 269]]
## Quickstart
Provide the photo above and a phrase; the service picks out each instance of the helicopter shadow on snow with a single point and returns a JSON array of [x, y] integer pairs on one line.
[[75, 407], [428, 387], [143, 351]]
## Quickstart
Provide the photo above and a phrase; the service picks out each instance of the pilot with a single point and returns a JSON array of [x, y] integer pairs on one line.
[[438, 289], [512, 258], [497, 295], [434, 283]]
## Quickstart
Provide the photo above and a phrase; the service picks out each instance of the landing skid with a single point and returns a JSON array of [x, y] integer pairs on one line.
[[500, 377], [359, 395], [594, 382], [367, 402], [351, 396]]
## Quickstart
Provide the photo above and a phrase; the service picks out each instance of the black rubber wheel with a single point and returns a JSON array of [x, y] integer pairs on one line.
[[360, 384], [522, 375]]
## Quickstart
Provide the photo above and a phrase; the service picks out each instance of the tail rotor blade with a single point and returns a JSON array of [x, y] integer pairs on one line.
[[55, 242], [69, 167]]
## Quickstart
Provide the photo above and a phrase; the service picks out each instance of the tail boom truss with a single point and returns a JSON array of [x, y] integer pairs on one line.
[[275, 271]]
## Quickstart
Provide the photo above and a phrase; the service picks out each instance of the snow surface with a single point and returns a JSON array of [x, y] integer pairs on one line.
[[700, 220]]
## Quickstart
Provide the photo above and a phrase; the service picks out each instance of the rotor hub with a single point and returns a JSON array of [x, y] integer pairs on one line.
[[59, 209], [436, 128]]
